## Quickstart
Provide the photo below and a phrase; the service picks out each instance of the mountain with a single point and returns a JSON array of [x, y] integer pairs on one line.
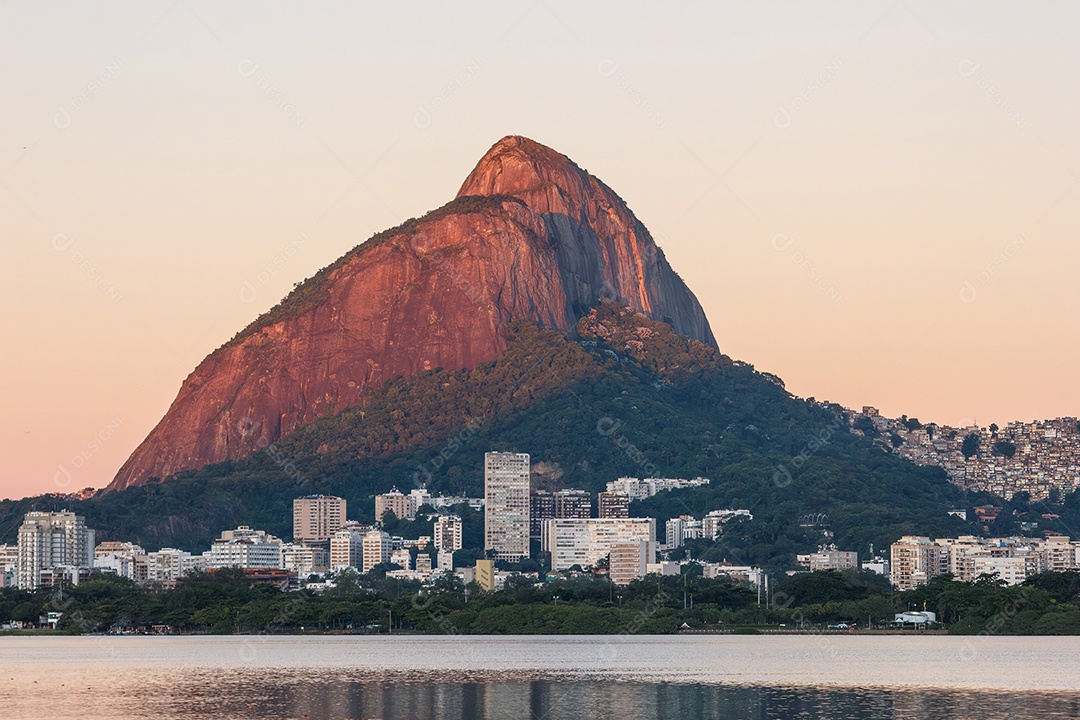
[[621, 395], [530, 236]]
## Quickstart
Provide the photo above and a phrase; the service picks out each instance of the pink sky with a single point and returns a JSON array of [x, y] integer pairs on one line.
[[878, 202]]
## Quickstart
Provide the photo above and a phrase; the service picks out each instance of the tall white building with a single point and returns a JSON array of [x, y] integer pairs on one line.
[[447, 534], [118, 558], [377, 549], [506, 495], [913, 560], [244, 548], [9, 565], [50, 540], [317, 517], [584, 542], [170, 564], [304, 560], [347, 548]]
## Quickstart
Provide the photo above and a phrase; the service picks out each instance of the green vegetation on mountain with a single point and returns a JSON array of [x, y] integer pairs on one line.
[[629, 397]]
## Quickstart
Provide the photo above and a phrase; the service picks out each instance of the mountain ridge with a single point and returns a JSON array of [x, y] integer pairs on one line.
[[530, 236]]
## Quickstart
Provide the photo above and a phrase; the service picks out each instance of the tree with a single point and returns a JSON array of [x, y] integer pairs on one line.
[[970, 446], [993, 428], [1003, 447]]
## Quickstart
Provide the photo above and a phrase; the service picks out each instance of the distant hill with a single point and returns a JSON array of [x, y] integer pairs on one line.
[[622, 395]]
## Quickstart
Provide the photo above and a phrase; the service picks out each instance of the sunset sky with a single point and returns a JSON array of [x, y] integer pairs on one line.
[[876, 201]]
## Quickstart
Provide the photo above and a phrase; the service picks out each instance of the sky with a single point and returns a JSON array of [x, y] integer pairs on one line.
[[876, 201]]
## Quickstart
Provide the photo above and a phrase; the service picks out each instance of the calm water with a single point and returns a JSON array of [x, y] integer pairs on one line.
[[393, 678]]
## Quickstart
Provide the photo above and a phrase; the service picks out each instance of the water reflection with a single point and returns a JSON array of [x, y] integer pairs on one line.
[[422, 696]]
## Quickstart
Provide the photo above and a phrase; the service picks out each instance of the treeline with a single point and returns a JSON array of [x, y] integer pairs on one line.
[[225, 602]]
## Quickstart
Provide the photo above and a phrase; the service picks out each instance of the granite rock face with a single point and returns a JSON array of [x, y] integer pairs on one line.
[[530, 236]]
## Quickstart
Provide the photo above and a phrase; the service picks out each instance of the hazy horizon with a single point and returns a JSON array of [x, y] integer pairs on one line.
[[871, 200]]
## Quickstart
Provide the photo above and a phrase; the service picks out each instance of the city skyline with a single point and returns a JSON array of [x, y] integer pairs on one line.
[[872, 201]]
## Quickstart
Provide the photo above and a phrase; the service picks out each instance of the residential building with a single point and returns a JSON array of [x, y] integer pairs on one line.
[[9, 565], [393, 501], [446, 561], [305, 560], [628, 561], [829, 558], [573, 504], [244, 548], [169, 565], [51, 540], [118, 558], [417, 498], [713, 523], [506, 495], [423, 563], [403, 558], [347, 548], [585, 541], [317, 517], [541, 508], [913, 560], [447, 533], [613, 505], [378, 547], [485, 574], [638, 489]]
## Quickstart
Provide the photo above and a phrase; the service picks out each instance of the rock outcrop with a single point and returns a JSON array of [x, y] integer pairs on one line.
[[529, 236]]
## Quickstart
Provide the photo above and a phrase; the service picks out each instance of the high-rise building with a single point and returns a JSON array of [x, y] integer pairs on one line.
[[628, 561], [304, 560], [403, 558], [423, 563], [50, 540], [9, 565], [169, 565], [244, 548], [914, 560], [573, 504], [613, 505], [395, 502], [377, 549], [541, 508], [506, 494], [447, 534], [317, 517], [347, 548], [584, 542], [117, 558], [418, 497]]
